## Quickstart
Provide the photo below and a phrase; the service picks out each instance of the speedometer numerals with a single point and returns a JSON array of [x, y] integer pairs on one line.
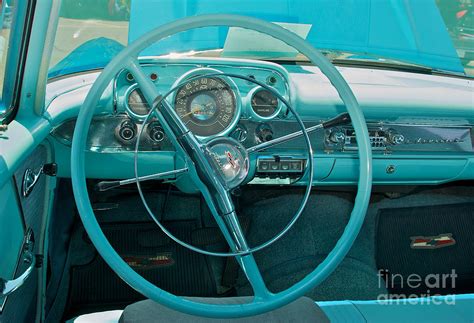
[[225, 118], [206, 105]]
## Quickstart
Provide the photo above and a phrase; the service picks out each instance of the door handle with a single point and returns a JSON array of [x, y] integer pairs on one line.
[[9, 286], [31, 177]]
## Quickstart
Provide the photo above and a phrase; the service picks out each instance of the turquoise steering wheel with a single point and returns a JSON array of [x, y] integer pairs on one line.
[[215, 190]]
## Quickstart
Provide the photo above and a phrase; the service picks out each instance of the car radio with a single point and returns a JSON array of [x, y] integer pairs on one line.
[[346, 138], [280, 167]]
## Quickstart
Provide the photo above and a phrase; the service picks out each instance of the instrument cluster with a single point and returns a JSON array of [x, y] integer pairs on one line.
[[210, 106]]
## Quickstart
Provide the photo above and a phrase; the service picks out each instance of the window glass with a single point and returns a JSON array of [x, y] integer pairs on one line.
[[458, 15], [89, 32], [435, 34], [6, 15]]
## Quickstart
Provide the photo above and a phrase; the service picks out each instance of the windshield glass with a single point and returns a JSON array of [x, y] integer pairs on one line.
[[433, 34]]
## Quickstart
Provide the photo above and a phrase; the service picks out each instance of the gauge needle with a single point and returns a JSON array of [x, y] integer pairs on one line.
[[191, 112]]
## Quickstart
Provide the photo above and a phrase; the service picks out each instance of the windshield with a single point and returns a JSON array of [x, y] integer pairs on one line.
[[437, 35]]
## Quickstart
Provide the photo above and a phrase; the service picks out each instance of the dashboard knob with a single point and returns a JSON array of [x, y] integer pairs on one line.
[[156, 132], [126, 131], [337, 136], [239, 134], [395, 138], [264, 133]]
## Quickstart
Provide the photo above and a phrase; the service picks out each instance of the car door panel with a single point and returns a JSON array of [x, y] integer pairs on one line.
[[12, 230], [19, 214]]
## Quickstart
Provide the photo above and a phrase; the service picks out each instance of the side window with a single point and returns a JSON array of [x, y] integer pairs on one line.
[[15, 22], [6, 16]]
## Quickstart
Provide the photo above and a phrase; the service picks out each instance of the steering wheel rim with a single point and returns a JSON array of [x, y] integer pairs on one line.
[[260, 304]]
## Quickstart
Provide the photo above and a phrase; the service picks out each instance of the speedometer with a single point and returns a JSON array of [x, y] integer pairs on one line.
[[206, 105]]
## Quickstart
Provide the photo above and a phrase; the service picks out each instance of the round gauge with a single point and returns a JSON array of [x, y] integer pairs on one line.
[[136, 103], [207, 106], [264, 103]]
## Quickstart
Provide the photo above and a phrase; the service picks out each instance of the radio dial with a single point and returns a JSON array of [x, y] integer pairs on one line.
[[337, 137]]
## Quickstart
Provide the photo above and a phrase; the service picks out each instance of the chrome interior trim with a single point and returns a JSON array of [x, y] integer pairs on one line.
[[7, 287]]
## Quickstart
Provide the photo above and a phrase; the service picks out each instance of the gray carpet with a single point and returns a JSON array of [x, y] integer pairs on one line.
[[306, 245], [317, 231]]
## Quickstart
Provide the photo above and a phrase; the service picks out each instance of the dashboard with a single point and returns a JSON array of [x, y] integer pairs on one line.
[[417, 136]]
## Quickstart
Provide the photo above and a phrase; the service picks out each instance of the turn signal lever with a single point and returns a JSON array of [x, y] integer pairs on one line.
[[107, 185]]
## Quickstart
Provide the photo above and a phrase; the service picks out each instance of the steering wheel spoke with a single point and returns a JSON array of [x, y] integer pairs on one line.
[[231, 229], [254, 276], [173, 125], [147, 87], [233, 233]]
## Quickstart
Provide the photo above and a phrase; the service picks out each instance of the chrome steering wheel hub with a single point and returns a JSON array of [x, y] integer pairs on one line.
[[230, 159]]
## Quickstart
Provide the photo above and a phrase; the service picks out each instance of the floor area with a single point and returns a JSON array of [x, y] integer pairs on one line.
[[89, 281]]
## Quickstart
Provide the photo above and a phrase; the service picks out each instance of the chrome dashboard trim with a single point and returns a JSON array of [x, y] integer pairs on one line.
[[257, 117], [129, 110], [212, 65]]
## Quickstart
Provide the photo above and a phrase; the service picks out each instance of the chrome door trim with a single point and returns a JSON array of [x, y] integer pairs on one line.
[[7, 287]]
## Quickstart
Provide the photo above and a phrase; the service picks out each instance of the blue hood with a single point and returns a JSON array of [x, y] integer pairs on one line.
[[410, 30]]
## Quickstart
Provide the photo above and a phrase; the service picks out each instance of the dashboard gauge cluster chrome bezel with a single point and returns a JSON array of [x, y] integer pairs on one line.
[[243, 94], [234, 90], [129, 110], [254, 115]]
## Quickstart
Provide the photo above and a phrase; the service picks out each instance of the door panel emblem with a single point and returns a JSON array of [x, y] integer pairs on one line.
[[149, 262], [432, 242]]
